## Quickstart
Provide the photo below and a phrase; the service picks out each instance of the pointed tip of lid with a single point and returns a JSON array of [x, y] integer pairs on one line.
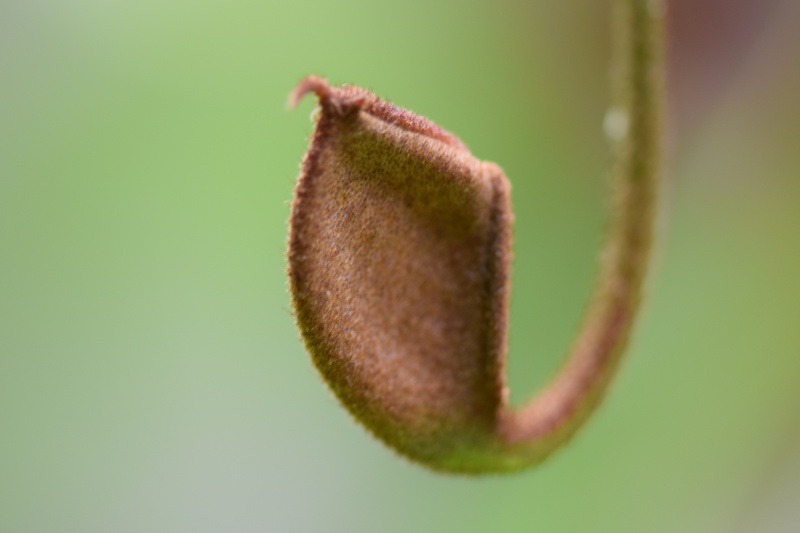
[[312, 83]]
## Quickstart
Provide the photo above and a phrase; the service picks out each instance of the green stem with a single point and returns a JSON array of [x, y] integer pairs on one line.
[[634, 126]]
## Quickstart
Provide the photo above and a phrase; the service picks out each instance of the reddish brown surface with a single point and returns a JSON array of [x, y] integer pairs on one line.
[[398, 261]]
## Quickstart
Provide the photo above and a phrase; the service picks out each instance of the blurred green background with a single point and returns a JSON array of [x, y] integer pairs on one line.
[[151, 377]]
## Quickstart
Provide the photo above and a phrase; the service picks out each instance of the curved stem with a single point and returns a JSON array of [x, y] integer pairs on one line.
[[633, 125]]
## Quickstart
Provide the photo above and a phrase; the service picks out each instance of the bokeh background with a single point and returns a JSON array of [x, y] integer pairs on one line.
[[151, 377]]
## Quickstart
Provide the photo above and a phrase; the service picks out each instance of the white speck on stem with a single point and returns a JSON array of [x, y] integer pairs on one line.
[[615, 124]]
